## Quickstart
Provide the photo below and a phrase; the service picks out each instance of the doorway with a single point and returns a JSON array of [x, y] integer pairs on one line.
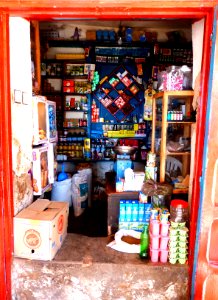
[[205, 66]]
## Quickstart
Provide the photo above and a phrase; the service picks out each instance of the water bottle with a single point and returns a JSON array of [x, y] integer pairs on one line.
[[144, 242]]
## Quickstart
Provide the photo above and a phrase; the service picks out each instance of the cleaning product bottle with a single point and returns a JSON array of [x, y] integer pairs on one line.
[[144, 242]]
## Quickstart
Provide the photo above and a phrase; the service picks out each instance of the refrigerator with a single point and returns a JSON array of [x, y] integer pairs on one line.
[[44, 144]]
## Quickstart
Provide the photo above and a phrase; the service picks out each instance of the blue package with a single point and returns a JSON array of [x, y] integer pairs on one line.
[[141, 212], [147, 216], [120, 166], [128, 210], [135, 210], [122, 211]]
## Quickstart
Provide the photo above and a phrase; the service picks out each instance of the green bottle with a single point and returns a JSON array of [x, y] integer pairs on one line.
[[144, 242]]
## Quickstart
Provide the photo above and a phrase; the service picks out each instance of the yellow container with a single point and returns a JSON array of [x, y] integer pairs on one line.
[[136, 127], [87, 144]]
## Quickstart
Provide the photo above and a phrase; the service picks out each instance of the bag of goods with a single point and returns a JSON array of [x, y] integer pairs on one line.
[[79, 192], [160, 192], [175, 79]]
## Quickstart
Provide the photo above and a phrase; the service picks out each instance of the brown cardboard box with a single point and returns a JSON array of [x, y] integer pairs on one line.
[[91, 35], [40, 229], [68, 82], [68, 89]]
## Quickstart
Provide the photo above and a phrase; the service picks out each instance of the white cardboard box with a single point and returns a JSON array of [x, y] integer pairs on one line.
[[43, 168], [40, 229]]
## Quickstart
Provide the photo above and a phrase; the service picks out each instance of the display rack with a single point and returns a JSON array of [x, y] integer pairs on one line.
[[162, 102], [68, 82], [119, 93]]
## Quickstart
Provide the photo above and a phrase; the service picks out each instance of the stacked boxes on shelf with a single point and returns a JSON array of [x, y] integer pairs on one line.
[[178, 243], [150, 168], [134, 214], [159, 237]]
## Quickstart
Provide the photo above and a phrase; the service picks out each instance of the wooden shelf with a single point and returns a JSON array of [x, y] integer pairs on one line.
[[165, 97], [181, 122], [178, 153], [180, 191], [75, 94], [75, 110], [86, 43], [65, 76], [177, 94], [75, 127]]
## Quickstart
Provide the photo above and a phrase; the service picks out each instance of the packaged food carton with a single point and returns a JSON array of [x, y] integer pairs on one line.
[[43, 168], [40, 229]]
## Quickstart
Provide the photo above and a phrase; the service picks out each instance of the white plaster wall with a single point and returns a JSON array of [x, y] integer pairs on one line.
[[197, 40], [20, 74]]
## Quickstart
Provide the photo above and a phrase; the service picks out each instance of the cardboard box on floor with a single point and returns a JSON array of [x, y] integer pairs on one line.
[[40, 229]]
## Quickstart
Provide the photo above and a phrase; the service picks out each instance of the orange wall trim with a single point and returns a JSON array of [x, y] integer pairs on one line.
[[6, 181], [25, 4], [47, 9]]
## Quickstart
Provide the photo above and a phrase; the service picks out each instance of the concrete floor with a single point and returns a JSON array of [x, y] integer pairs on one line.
[[86, 269]]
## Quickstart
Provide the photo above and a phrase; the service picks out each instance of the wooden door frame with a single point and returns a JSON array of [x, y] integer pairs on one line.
[[100, 13]]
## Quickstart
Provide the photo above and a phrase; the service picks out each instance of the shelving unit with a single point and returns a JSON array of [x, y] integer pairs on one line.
[[162, 101], [120, 94], [68, 81]]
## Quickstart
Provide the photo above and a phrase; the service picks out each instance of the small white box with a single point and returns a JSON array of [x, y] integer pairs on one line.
[[39, 120], [43, 168], [40, 229]]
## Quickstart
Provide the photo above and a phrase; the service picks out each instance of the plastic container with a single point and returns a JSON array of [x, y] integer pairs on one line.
[[178, 211], [155, 227], [173, 260], [173, 255], [174, 238], [164, 242], [62, 191], [183, 231], [182, 261], [173, 244], [173, 231], [183, 256], [164, 228], [163, 255], [174, 249], [182, 244], [154, 253], [154, 241], [183, 238]]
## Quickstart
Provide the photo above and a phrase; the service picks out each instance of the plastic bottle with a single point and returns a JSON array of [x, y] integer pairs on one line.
[[144, 242]]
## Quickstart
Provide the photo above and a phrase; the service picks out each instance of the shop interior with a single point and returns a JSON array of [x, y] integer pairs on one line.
[[121, 109]]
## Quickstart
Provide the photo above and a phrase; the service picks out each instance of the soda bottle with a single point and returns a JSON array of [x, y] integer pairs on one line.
[[144, 242]]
